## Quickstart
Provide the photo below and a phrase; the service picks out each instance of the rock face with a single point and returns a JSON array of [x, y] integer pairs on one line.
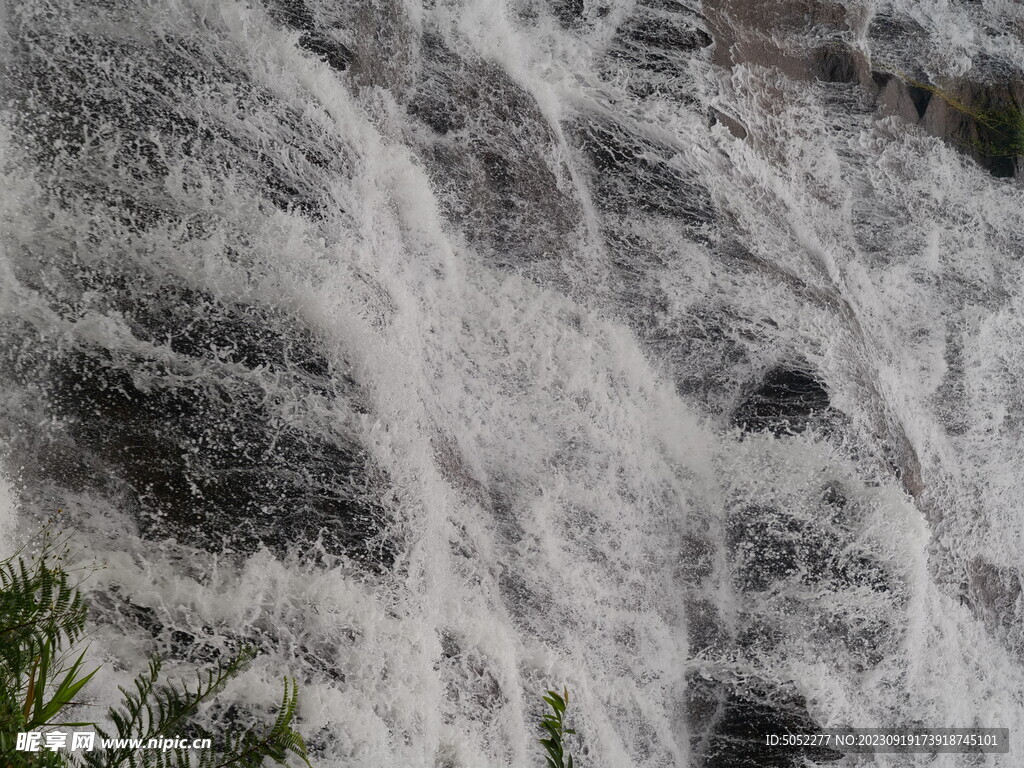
[[786, 402], [789, 400], [900, 98], [656, 38], [982, 141], [212, 462], [729, 726], [770, 548], [774, 555], [295, 14], [994, 594], [506, 190], [944, 106], [211, 415], [952, 113], [775, 34]]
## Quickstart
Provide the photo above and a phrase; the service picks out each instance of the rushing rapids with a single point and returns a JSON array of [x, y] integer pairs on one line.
[[448, 350]]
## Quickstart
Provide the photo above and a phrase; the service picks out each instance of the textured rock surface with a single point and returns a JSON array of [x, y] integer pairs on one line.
[[729, 726], [786, 401]]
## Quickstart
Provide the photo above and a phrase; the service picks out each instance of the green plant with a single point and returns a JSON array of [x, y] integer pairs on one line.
[[40, 612], [162, 710], [42, 615], [553, 724]]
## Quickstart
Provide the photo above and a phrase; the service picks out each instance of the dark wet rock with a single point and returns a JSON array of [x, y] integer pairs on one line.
[[986, 143], [659, 37], [293, 13], [114, 608], [952, 392], [705, 629], [52, 113], [337, 55], [729, 722], [444, 106], [441, 116], [785, 402], [379, 39], [894, 98], [490, 155], [216, 438], [473, 683], [769, 547], [994, 594], [900, 457], [920, 98], [117, 609], [195, 324], [213, 465], [653, 32], [696, 558], [632, 173], [880, 79], [58, 118], [735, 127], [205, 426], [175, 635], [709, 361], [900, 30], [837, 63], [320, 42], [568, 12], [454, 466], [967, 112], [522, 597], [853, 569], [775, 34], [760, 632]]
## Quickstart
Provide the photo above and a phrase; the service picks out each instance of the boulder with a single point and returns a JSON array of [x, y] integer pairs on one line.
[[785, 402], [336, 54]]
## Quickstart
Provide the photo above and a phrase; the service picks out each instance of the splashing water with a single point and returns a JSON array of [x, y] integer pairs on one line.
[[447, 351]]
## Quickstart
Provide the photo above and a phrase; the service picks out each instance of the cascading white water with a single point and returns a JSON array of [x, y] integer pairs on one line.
[[419, 344]]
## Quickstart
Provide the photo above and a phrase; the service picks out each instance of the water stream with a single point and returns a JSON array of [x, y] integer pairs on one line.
[[450, 350]]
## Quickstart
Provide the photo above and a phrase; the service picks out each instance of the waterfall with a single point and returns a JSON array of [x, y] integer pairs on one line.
[[449, 351]]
